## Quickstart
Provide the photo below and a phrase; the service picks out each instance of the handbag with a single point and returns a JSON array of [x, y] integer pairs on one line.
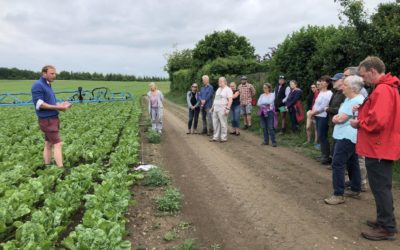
[[299, 111], [253, 101]]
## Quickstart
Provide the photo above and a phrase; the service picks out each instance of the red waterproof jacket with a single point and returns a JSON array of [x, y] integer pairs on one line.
[[379, 120]]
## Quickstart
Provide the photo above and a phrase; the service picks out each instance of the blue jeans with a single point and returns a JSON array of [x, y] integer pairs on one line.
[[267, 124], [235, 116], [345, 155], [193, 115]]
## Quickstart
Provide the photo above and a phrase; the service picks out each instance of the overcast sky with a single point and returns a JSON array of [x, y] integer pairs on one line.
[[132, 36]]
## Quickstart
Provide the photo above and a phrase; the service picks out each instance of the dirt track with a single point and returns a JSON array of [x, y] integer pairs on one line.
[[245, 196]]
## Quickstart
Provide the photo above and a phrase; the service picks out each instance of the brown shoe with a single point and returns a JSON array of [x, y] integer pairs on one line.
[[378, 234], [372, 223]]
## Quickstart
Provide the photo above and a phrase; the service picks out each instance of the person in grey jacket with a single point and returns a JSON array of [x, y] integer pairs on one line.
[[193, 102], [156, 107]]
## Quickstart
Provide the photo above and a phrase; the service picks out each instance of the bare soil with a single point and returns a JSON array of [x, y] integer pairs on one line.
[[241, 195]]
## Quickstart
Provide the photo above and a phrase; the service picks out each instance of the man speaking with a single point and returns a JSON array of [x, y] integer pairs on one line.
[[47, 110]]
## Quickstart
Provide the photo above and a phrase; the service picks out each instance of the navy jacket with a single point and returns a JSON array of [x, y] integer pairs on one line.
[[293, 97], [206, 93], [43, 91]]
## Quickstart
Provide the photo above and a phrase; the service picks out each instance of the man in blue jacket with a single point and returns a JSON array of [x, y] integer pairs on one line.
[[47, 111], [206, 100]]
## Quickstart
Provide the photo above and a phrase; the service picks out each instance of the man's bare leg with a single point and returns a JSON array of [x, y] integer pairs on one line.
[[58, 154], [249, 120], [47, 152]]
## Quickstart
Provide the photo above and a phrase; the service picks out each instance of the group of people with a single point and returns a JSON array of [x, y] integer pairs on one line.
[[366, 131], [365, 135]]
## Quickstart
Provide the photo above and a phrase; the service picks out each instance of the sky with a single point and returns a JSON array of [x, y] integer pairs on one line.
[[133, 37]]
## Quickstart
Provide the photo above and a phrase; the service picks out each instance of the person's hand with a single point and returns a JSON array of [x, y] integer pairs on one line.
[[335, 119], [326, 109], [211, 110], [355, 108], [226, 112], [192, 107], [354, 123]]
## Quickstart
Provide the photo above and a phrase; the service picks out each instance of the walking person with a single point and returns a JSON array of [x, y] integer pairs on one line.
[[378, 140], [281, 93], [156, 107], [321, 118], [266, 111], [47, 111], [220, 111], [247, 92], [206, 99], [235, 110], [193, 102], [291, 101], [345, 147], [310, 123], [352, 71]]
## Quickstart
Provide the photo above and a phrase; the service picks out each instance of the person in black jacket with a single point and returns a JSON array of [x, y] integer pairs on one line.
[[281, 93], [337, 100], [293, 97]]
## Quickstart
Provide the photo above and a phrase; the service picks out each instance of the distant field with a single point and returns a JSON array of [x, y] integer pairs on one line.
[[137, 88]]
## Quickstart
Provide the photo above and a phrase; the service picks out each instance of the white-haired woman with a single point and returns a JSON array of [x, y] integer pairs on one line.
[[220, 110], [156, 107], [345, 147]]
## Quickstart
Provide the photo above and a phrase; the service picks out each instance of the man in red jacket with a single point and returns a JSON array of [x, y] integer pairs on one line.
[[378, 140]]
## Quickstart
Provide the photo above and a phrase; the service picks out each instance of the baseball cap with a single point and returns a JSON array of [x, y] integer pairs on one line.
[[337, 76], [243, 78], [282, 77]]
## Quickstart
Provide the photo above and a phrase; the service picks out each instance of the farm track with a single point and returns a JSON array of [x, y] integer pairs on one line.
[[245, 196]]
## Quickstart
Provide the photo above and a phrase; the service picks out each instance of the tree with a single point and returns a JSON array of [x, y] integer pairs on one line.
[[221, 44], [179, 59]]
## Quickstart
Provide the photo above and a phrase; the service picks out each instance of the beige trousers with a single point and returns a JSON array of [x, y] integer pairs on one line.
[[220, 124]]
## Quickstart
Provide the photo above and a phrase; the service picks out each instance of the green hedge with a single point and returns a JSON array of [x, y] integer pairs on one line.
[[181, 80]]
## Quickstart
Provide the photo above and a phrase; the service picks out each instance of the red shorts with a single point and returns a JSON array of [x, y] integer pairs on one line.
[[50, 127]]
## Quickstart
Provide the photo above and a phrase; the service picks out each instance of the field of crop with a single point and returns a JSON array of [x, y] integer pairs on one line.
[[81, 206]]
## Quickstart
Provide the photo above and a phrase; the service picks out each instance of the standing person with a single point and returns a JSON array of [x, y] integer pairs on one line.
[[247, 92], [346, 138], [206, 97], [321, 118], [47, 111], [352, 71], [310, 120], [235, 110], [378, 140], [220, 111], [293, 97], [266, 111], [156, 107], [337, 99], [281, 92], [193, 103]]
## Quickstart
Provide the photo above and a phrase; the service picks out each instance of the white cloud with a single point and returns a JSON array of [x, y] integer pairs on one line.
[[132, 37]]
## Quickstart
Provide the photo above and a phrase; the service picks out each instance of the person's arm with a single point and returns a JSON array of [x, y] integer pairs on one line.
[[380, 111], [340, 118], [235, 95], [189, 104], [320, 107], [287, 92], [161, 96], [334, 106], [260, 101], [38, 100], [209, 93], [295, 97], [253, 90]]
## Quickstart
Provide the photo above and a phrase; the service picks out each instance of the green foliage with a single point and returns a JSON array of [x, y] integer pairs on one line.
[[20, 74], [182, 80], [221, 44], [178, 60], [156, 177], [154, 136], [169, 236], [170, 201], [188, 244]]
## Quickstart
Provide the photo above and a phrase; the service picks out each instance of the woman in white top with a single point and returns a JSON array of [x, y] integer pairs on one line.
[[321, 117], [220, 110], [156, 107], [266, 111]]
